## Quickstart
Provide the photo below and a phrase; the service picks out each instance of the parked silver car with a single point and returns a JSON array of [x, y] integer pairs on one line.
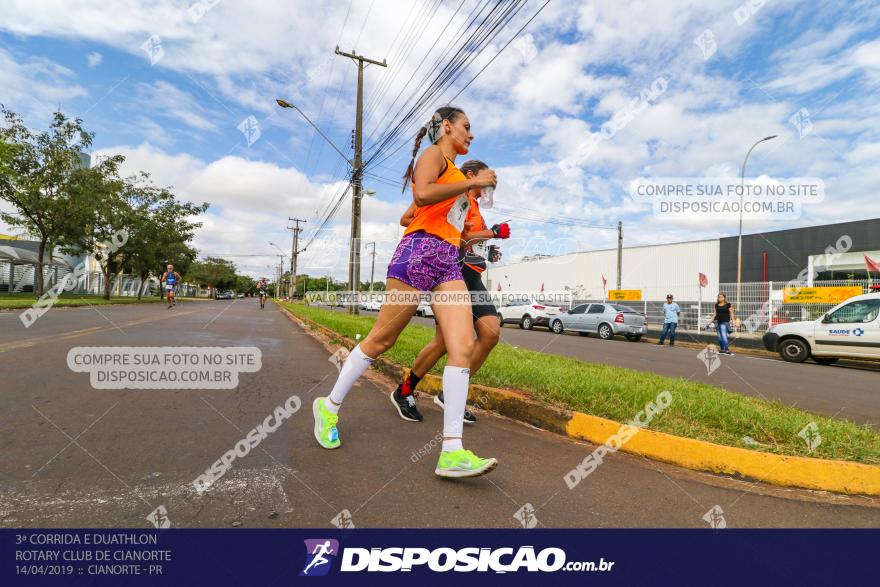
[[604, 319]]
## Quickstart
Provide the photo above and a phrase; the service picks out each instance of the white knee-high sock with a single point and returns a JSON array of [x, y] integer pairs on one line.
[[354, 366], [455, 389]]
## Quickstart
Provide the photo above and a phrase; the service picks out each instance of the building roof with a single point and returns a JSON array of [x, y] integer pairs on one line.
[[23, 252]]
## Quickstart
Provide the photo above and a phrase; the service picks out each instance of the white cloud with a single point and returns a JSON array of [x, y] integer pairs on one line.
[[251, 201], [35, 87], [94, 59], [165, 99]]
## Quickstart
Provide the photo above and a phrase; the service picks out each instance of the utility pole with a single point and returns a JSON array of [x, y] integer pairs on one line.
[[294, 252], [372, 267], [354, 256], [619, 252], [280, 276]]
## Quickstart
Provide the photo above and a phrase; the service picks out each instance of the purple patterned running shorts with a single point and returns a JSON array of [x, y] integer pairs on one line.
[[424, 261]]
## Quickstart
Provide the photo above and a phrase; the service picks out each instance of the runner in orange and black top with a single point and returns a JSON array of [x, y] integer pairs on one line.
[[426, 259], [474, 253]]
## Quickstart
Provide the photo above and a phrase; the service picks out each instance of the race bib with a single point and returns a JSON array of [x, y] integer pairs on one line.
[[481, 249], [458, 212]]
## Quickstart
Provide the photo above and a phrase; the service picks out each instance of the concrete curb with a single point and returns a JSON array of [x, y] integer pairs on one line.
[[790, 471]]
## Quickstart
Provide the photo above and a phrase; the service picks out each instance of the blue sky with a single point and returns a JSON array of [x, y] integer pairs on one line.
[[573, 68]]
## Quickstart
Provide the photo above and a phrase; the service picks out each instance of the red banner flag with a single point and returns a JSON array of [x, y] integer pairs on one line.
[[704, 281], [871, 264], [604, 281]]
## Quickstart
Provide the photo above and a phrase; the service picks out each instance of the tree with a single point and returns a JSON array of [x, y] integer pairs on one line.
[[213, 272], [36, 173], [161, 233], [244, 284], [112, 215]]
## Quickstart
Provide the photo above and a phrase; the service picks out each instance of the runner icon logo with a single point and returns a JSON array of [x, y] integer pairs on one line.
[[709, 357], [320, 553], [715, 518]]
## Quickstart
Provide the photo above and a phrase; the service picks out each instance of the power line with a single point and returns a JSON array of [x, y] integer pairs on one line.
[[385, 80], [412, 78], [478, 39], [400, 146], [521, 29], [327, 85], [535, 217], [451, 67]]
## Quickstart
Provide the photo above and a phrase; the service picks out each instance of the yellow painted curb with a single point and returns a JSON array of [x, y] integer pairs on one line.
[[790, 471]]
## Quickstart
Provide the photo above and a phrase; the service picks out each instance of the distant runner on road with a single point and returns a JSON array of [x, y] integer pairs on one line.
[[170, 279], [261, 290]]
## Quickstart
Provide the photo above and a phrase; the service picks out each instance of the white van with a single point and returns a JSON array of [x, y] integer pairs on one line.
[[849, 330]]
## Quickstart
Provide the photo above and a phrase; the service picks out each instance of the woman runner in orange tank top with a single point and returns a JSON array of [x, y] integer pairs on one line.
[[426, 259]]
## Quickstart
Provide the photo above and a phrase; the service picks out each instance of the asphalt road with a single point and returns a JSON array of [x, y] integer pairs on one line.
[[845, 390], [78, 456]]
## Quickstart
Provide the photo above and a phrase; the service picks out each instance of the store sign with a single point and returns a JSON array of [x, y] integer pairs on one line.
[[819, 295], [625, 295]]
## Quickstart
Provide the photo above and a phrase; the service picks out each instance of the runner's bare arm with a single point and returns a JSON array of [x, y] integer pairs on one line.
[[408, 215], [477, 236]]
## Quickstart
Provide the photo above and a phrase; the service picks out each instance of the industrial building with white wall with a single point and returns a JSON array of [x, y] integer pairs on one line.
[[675, 268], [770, 260]]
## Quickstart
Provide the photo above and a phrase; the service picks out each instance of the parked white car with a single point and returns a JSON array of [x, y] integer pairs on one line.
[[371, 305], [425, 310], [527, 313], [605, 319], [849, 330]]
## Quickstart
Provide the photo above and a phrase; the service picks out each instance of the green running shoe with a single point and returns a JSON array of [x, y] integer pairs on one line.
[[463, 463], [325, 424]]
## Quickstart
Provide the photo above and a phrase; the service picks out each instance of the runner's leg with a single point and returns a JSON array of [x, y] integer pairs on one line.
[[429, 355], [458, 332], [403, 398], [400, 305], [488, 334]]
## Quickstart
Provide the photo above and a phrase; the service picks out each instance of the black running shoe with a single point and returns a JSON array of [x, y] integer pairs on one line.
[[406, 406], [469, 418]]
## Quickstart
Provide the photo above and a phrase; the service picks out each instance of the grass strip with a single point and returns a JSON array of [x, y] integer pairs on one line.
[[698, 410], [16, 301]]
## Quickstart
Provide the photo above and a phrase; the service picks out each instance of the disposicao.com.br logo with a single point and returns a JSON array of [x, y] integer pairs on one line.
[[320, 553], [443, 560]]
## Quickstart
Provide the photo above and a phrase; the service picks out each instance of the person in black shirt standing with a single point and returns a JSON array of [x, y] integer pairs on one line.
[[723, 318]]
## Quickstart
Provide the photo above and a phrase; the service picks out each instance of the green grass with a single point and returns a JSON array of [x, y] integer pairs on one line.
[[26, 300], [697, 410]]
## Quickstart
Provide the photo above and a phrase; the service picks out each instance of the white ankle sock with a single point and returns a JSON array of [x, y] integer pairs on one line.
[[455, 389], [354, 366]]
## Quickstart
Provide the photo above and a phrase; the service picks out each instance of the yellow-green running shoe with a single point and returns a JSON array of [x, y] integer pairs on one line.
[[463, 463], [325, 424]]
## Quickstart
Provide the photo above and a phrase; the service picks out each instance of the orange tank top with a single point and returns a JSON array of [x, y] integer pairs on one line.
[[444, 219], [475, 217]]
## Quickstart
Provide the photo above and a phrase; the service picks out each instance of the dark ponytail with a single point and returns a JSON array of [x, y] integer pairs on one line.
[[450, 113], [412, 162]]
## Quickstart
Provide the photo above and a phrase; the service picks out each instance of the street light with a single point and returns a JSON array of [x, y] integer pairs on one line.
[[739, 247]]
